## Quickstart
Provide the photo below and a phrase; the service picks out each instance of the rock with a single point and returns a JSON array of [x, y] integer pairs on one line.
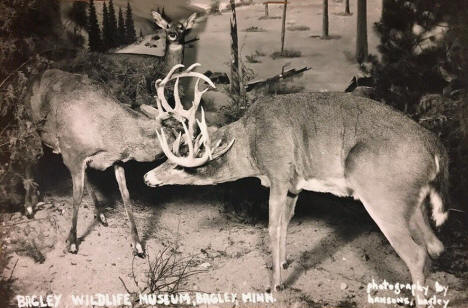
[[343, 286]]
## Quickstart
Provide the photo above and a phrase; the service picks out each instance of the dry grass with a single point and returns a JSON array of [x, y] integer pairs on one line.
[[252, 58], [287, 53], [298, 28], [254, 29]]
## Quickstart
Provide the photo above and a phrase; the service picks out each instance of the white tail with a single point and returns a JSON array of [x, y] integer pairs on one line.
[[337, 143], [81, 120]]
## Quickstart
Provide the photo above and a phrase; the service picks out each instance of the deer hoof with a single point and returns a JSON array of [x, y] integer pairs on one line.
[[285, 265], [29, 212], [138, 250], [276, 288], [73, 249], [102, 219]]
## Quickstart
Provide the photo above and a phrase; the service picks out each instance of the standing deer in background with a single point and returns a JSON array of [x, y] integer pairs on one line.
[[81, 120], [326, 142], [175, 37]]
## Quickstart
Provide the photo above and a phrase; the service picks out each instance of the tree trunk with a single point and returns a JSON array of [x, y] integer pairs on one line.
[[385, 5], [347, 10], [283, 27], [325, 20], [361, 37], [235, 74]]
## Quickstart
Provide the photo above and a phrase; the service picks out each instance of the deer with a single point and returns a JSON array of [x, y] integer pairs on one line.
[[81, 120], [337, 143], [175, 37]]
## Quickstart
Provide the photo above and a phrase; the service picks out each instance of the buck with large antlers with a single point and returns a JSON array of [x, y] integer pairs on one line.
[[81, 120], [327, 142]]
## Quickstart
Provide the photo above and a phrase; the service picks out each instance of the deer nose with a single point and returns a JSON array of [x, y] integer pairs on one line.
[[151, 180], [172, 36]]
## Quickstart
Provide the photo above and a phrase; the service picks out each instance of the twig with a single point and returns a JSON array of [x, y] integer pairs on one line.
[[23, 222], [12, 270], [125, 286], [14, 72]]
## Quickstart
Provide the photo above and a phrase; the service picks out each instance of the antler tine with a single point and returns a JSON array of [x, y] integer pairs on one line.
[[189, 162], [176, 144], [171, 72], [205, 139], [188, 139], [191, 67], [160, 85], [162, 114], [178, 108]]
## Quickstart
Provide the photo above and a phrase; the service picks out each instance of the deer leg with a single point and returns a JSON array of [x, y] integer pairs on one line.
[[277, 203], [120, 177], [98, 212], [31, 189], [394, 225], [78, 185], [291, 200]]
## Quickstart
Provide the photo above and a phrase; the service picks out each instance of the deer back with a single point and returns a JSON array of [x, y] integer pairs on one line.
[[314, 133]]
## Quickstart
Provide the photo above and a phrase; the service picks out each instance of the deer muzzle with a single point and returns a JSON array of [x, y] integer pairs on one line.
[[151, 180]]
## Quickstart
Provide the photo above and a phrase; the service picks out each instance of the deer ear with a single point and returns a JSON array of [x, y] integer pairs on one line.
[[188, 23], [160, 21]]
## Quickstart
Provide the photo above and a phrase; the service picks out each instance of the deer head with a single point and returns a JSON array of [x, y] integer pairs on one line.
[[175, 30]]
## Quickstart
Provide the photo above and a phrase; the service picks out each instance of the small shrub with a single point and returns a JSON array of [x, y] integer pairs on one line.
[[269, 17], [287, 53], [252, 58], [254, 29], [259, 53], [166, 272], [298, 28]]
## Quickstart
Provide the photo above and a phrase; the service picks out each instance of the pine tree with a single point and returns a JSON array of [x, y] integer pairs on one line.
[[78, 15], [410, 57], [106, 33], [130, 34], [112, 24], [121, 28], [94, 32]]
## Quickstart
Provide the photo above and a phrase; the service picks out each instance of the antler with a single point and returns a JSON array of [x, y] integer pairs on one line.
[[178, 110], [194, 144]]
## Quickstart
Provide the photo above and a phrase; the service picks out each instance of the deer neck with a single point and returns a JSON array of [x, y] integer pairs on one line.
[[143, 145], [237, 163], [174, 54]]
